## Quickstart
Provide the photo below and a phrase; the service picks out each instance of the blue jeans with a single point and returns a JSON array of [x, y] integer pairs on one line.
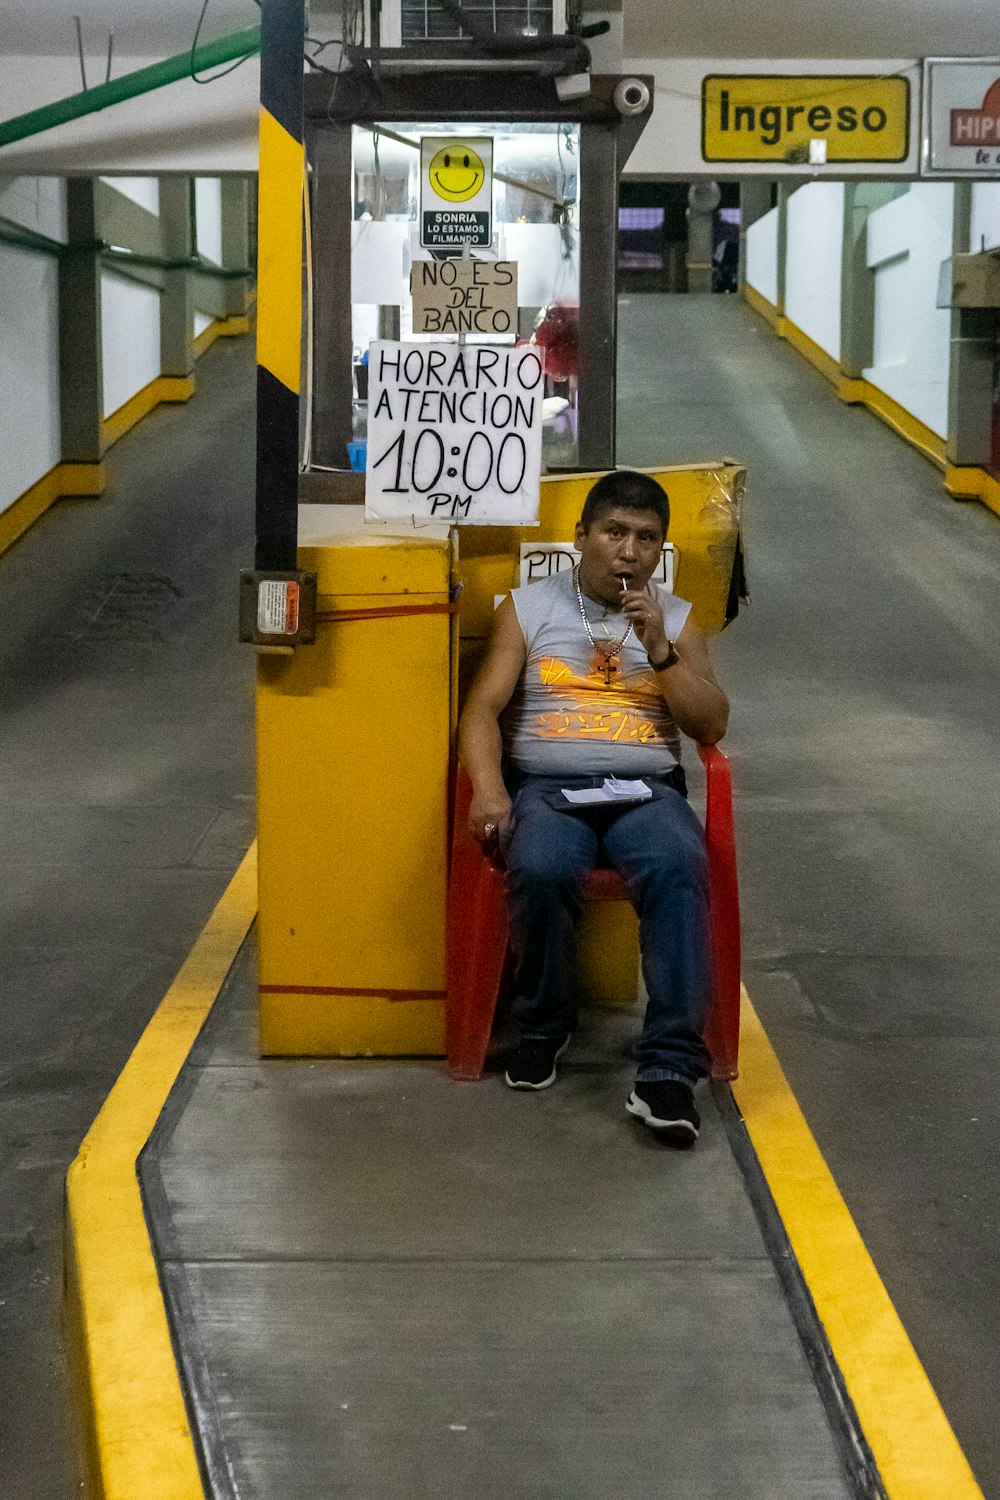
[[659, 848]]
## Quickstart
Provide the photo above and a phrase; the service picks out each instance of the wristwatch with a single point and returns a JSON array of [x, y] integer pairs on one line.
[[671, 659]]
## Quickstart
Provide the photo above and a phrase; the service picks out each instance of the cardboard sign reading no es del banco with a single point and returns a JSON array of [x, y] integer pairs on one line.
[[454, 433], [464, 296]]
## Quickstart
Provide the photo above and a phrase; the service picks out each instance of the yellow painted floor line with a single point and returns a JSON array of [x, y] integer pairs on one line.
[[138, 1439], [917, 1453]]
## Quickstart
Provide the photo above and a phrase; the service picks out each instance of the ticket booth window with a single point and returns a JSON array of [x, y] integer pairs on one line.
[[536, 223]]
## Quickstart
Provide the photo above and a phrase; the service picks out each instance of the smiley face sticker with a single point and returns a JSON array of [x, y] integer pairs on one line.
[[457, 173], [456, 191]]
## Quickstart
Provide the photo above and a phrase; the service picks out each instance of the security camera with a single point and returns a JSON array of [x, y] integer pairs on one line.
[[631, 96]]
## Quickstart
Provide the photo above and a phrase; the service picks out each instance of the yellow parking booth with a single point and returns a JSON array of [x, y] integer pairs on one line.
[[355, 746], [353, 739]]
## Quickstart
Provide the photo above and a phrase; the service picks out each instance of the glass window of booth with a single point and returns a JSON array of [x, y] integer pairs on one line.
[[536, 219]]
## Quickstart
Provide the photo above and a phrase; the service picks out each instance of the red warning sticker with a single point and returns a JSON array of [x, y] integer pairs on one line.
[[278, 607]]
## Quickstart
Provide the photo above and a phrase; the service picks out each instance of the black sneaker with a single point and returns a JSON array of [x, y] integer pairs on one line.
[[668, 1108], [533, 1061]]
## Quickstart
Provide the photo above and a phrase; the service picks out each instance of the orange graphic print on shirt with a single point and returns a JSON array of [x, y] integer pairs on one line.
[[593, 708]]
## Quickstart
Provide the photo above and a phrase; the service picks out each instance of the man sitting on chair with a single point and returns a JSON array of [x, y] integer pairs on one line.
[[588, 675]]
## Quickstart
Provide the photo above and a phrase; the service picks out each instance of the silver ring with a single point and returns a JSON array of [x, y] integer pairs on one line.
[[489, 830]]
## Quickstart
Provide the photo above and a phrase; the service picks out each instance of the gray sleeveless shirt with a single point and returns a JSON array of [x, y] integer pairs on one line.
[[564, 720]]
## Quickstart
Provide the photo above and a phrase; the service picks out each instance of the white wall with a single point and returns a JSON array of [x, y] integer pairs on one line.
[[762, 256], [907, 241], [142, 190], [208, 218], [29, 369], [812, 262], [985, 228], [130, 320], [38, 203], [29, 336]]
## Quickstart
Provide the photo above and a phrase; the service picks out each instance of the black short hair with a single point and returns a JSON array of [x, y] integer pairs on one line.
[[631, 489]]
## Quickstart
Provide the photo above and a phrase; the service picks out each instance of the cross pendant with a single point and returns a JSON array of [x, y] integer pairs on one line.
[[610, 668]]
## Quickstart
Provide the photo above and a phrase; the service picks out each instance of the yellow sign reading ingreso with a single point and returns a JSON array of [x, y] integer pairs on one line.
[[773, 117]]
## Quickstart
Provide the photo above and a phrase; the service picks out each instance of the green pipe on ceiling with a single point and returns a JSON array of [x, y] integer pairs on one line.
[[227, 49]]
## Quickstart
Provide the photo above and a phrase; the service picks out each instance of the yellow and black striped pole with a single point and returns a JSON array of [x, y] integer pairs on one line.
[[279, 282]]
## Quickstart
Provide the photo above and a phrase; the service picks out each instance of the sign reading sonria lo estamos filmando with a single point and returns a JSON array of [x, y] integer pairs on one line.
[[454, 433], [773, 117], [456, 192]]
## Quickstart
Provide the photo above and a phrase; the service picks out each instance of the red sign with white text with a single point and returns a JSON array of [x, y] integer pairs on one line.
[[961, 117], [974, 127]]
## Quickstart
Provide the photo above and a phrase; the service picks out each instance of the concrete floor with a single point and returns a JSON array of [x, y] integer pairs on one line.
[[125, 803], [865, 742]]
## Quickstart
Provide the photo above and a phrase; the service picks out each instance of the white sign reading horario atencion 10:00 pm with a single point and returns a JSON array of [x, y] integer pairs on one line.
[[454, 433]]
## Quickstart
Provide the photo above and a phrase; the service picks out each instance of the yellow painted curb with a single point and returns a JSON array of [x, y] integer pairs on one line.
[[852, 390], [220, 328], [162, 388], [760, 304], [809, 349], [916, 433], [917, 1454], [973, 484], [64, 480], [138, 1440]]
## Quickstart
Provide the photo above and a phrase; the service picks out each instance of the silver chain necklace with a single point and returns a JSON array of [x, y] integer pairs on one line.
[[607, 652]]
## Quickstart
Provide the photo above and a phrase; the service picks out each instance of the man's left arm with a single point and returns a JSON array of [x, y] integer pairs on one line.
[[684, 674]]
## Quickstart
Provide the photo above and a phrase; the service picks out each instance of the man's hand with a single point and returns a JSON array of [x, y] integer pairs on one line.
[[643, 612], [479, 740], [490, 820]]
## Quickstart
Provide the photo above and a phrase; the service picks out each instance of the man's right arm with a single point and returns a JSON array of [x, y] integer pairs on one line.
[[480, 745]]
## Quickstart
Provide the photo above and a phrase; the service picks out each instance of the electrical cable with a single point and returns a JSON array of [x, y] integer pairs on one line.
[[381, 194], [561, 209], [333, 41], [576, 51], [194, 47], [307, 434], [351, 17], [79, 48], [351, 41]]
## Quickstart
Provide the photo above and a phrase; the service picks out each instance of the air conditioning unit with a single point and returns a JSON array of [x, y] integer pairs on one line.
[[417, 23]]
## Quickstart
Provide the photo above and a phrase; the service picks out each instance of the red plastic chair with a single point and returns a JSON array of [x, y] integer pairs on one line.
[[478, 934]]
